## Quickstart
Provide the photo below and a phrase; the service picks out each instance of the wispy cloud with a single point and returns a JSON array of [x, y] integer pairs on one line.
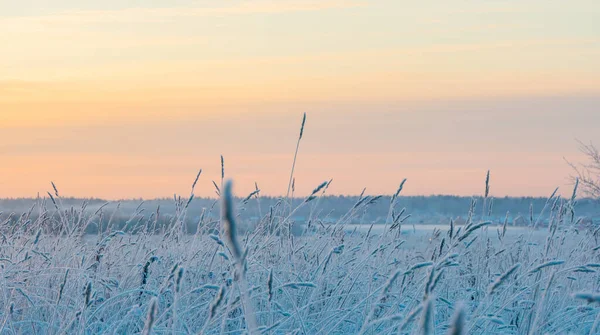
[[141, 15]]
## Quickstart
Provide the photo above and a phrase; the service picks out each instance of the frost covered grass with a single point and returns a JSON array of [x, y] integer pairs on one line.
[[236, 277], [480, 278]]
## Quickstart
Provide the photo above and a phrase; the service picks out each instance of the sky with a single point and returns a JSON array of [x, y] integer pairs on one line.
[[128, 99]]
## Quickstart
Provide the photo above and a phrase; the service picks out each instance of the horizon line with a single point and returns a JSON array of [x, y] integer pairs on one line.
[[171, 198]]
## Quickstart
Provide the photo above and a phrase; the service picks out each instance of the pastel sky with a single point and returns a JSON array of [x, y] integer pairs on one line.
[[120, 99]]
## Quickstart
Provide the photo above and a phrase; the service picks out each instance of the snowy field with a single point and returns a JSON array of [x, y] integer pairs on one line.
[[479, 278]]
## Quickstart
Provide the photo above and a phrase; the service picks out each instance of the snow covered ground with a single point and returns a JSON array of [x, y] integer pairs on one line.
[[478, 278]]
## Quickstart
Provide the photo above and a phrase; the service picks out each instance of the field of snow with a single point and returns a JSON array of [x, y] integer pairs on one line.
[[478, 278]]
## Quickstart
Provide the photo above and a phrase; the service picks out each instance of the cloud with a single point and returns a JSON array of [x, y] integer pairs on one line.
[[149, 15]]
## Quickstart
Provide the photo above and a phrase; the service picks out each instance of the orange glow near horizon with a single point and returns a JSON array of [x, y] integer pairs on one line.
[[115, 102]]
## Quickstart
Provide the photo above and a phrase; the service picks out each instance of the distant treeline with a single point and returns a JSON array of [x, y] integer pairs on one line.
[[423, 209]]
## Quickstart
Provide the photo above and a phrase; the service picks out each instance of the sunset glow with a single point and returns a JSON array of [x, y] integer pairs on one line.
[[129, 99]]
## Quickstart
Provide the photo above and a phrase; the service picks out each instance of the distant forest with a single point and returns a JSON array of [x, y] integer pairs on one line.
[[439, 209]]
